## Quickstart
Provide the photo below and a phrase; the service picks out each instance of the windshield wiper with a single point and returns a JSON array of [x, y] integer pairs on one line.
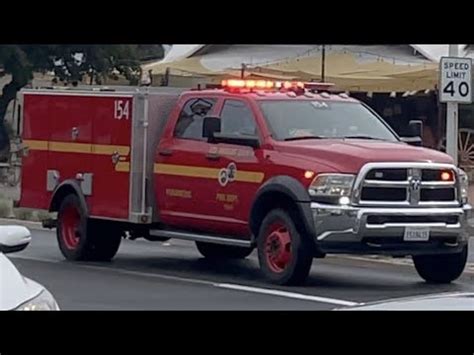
[[303, 137], [363, 137]]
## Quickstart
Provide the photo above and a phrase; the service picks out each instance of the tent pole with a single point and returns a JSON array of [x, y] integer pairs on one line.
[[323, 63], [242, 71]]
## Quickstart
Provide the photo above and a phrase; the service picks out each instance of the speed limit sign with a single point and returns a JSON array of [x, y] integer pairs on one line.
[[455, 82]]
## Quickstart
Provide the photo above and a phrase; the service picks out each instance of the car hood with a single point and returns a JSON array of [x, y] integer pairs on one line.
[[351, 154], [15, 289], [439, 302]]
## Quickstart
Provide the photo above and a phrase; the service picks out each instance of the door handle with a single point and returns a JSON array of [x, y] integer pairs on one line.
[[165, 152], [213, 156]]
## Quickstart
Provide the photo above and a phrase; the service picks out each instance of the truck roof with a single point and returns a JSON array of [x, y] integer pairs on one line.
[[275, 95]]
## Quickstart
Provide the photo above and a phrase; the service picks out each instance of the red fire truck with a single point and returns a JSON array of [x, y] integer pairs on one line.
[[291, 169]]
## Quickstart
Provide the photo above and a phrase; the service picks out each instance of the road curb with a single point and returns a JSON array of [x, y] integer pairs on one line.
[[19, 222]]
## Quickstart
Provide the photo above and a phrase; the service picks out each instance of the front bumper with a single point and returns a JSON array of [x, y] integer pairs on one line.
[[351, 229]]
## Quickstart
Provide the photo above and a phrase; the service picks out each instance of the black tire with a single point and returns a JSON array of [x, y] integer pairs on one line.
[[216, 251], [443, 268], [296, 270], [106, 238], [80, 238]]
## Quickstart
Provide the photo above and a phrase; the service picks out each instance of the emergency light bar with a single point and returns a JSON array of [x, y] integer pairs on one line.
[[268, 84], [248, 84]]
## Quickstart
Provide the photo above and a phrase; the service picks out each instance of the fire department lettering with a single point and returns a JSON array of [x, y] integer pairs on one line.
[[121, 109]]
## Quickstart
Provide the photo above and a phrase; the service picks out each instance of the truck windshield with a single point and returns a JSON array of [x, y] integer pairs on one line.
[[305, 119]]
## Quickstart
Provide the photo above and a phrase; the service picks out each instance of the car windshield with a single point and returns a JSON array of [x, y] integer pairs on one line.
[[305, 119]]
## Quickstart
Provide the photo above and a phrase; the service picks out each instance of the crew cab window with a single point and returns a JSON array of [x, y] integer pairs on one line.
[[323, 119], [237, 118], [189, 125]]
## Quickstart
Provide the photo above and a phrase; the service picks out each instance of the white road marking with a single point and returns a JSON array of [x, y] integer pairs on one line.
[[287, 294], [271, 292]]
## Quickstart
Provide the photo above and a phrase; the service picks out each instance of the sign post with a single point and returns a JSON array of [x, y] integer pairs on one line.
[[455, 88]]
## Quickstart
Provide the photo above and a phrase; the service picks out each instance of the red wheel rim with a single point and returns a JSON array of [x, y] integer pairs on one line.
[[70, 227], [278, 247]]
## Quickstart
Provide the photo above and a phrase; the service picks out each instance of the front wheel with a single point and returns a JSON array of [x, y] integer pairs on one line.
[[285, 255], [443, 268]]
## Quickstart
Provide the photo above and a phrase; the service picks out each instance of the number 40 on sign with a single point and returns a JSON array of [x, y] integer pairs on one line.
[[455, 80]]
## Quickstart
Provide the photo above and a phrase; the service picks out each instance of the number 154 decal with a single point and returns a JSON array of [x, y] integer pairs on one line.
[[122, 109]]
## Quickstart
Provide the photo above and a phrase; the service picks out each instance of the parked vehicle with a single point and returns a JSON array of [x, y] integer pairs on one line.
[[457, 301], [16, 291]]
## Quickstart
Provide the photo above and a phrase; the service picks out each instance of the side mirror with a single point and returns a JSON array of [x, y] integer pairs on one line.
[[14, 239], [210, 126], [415, 128], [416, 141]]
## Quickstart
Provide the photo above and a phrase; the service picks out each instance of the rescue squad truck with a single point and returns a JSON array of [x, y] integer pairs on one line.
[[291, 169]]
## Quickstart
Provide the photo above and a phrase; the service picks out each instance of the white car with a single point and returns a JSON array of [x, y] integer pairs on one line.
[[16, 291], [454, 301]]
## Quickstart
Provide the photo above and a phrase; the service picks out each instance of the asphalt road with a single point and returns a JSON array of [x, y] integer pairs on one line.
[[173, 276]]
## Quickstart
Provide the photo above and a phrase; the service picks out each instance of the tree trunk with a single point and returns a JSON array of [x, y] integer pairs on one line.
[[8, 94]]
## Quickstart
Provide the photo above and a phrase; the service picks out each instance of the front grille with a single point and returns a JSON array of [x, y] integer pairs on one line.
[[383, 219], [407, 185], [384, 194], [387, 174], [440, 194]]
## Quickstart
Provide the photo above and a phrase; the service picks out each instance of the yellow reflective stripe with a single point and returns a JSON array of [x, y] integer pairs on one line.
[[123, 167], [110, 149], [63, 147], [185, 170], [207, 173], [67, 147], [249, 176], [36, 145]]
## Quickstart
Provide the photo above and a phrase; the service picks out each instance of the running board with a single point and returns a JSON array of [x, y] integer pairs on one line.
[[201, 238]]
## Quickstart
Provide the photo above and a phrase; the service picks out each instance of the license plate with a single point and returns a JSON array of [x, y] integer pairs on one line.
[[416, 234]]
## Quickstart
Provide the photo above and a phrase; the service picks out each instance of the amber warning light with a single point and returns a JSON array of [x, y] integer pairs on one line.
[[446, 176]]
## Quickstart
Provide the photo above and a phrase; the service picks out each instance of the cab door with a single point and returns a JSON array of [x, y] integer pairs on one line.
[[241, 169]]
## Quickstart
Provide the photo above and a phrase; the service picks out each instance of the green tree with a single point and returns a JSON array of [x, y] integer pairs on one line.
[[70, 64], [148, 52]]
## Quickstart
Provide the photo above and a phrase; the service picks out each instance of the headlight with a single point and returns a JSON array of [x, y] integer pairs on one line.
[[332, 188], [463, 185], [43, 302]]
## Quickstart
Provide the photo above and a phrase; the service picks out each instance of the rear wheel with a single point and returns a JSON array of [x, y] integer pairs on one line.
[[80, 238], [216, 251], [105, 239], [285, 255], [443, 268]]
